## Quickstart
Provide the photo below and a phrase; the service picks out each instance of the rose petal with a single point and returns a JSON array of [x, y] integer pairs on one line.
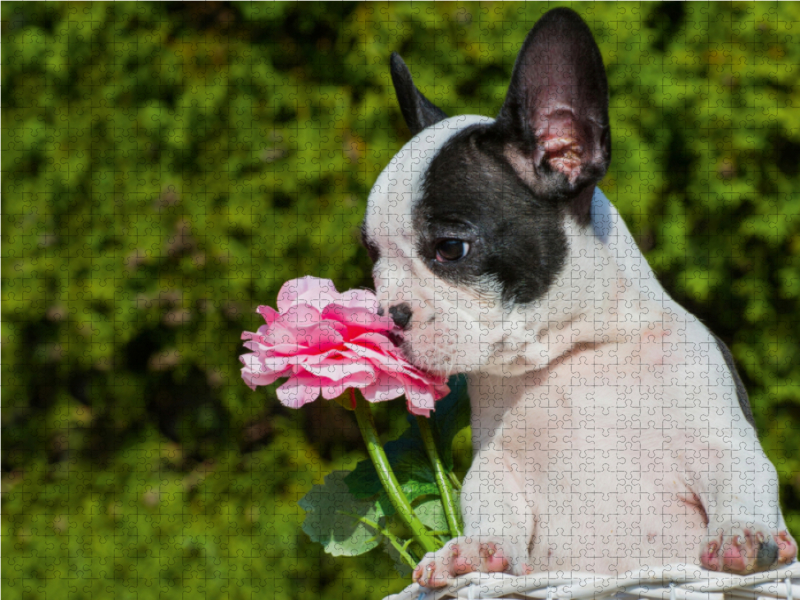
[[326, 342], [266, 361], [319, 338], [376, 340], [338, 370], [414, 410], [280, 333], [313, 291], [356, 380], [419, 396], [254, 375], [269, 314], [286, 349], [296, 392], [364, 299], [299, 316], [357, 318], [387, 387], [386, 361]]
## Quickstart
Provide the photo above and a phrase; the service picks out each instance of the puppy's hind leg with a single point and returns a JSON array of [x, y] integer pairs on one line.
[[498, 525]]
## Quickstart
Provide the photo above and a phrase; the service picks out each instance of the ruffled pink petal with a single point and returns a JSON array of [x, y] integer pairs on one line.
[[280, 333], [320, 357], [337, 370], [359, 299], [290, 349], [254, 374], [357, 319], [356, 380], [376, 341], [322, 336], [414, 410], [313, 291], [368, 351], [267, 361], [387, 387], [326, 342], [254, 380], [385, 360], [440, 390], [391, 362], [298, 391], [300, 316], [269, 314], [264, 349], [419, 396]]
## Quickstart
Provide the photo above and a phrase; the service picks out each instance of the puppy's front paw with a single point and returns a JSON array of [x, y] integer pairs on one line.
[[464, 555], [745, 550]]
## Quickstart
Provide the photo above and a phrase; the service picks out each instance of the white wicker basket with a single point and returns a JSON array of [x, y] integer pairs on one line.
[[671, 582]]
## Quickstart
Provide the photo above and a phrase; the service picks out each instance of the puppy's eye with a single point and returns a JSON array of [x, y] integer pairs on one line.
[[450, 249]]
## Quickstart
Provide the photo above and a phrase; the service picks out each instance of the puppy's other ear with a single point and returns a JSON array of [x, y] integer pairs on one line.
[[418, 111], [555, 116]]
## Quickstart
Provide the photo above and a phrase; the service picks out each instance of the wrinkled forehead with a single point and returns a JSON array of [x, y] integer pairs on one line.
[[398, 187]]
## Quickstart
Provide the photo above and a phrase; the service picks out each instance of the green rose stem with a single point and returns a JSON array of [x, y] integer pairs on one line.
[[446, 492], [396, 496]]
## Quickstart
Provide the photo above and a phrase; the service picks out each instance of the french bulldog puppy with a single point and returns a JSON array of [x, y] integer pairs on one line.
[[610, 427]]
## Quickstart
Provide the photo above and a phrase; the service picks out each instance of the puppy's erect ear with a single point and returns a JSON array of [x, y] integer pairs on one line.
[[418, 111], [555, 116]]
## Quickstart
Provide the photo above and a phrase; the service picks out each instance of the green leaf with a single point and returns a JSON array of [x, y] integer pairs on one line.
[[407, 455], [332, 518], [452, 414], [412, 490], [408, 460], [431, 513]]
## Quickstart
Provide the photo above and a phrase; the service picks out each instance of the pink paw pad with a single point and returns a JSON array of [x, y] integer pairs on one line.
[[456, 558], [492, 559], [787, 548], [748, 551]]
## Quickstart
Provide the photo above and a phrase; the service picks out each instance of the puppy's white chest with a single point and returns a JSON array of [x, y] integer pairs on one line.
[[598, 454]]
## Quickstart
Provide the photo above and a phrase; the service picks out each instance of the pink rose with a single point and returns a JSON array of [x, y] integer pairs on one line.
[[326, 342]]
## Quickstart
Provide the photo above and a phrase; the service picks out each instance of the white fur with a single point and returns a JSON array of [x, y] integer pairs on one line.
[[606, 425], [603, 448], [399, 277]]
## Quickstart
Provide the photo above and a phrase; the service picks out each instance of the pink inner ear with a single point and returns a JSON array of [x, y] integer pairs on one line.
[[558, 142]]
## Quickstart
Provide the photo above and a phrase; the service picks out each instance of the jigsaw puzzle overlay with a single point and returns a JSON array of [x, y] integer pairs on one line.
[[167, 167]]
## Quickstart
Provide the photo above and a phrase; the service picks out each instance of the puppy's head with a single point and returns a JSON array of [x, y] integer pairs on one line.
[[469, 225]]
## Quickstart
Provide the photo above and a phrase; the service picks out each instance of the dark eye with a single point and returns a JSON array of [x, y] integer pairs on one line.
[[449, 250]]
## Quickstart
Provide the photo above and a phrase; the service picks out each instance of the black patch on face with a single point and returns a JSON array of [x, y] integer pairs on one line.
[[472, 193], [372, 248]]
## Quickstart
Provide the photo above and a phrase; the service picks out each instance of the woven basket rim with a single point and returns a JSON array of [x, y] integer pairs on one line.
[[678, 581]]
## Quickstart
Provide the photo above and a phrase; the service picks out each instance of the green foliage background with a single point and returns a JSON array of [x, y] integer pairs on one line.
[[167, 166]]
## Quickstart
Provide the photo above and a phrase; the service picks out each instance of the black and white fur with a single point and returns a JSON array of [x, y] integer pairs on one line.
[[610, 427]]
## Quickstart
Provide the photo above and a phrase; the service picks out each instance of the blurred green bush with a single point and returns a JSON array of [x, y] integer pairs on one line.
[[167, 166]]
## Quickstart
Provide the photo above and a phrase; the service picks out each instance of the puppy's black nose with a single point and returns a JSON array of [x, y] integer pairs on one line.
[[401, 315]]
